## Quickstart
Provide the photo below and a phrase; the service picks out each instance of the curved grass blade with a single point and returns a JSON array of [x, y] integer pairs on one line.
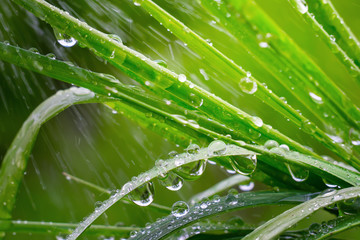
[[152, 206], [129, 61], [284, 45], [220, 187], [162, 228], [352, 51], [334, 24], [332, 227], [217, 60], [248, 38], [277, 225], [206, 153], [135, 104], [54, 228], [15, 160]]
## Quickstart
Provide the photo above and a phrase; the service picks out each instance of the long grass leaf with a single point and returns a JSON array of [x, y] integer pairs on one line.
[[15, 160], [218, 60], [277, 225]]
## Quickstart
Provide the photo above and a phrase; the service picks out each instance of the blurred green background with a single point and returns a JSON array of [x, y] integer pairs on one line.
[[92, 143]]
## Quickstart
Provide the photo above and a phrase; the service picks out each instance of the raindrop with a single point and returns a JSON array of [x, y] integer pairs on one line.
[[161, 63], [257, 121], [115, 37], [204, 74], [285, 147], [247, 85], [314, 228], [297, 173], [354, 137], [301, 6], [317, 99], [269, 144], [180, 209], [143, 195], [248, 187], [332, 38], [138, 2], [182, 77], [34, 50], [51, 56], [80, 91], [195, 100], [231, 199], [263, 44], [192, 149], [191, 171], [244, 165], [216, 147], [329, 183], [63, 39], [171, 181]]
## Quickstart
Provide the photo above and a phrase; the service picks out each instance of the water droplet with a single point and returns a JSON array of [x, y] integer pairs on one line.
[[317, 99], [143, 195], [80, 91], [248, 187], [257, 121], [301, 6], [329, 184], [314, 228], [161, 63], [269, 144], [34, 50], [191, 171], [195, 100], [51, 56], [171, 181], [231, 199], [263, 44], [63, 39], [297, 173], [247, 85], [354, 137], [192, 149], [182, 77], [180, 209], [285, 147], [138, 2], [332, 38], [216, 147], [115, 37], [244, 165], [204, 74]]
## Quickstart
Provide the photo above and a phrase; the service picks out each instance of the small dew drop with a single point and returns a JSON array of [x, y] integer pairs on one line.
[[143, 195], [269, 144], [179, 209], [247, 85], [216, 147], [332, 38], [182, 77], [301, 6], [317, 99], [263, 44]]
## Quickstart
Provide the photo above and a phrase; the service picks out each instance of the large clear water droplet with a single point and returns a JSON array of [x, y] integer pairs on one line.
[[171, 181], [216, 148], [115, 37], [63, 39], [161, 63], [143, 195], [329, 184], [297, 173], [192, 149], [301, 6], [180, 209], [269, 144], [244, 165], [247, 85], [191, 171]]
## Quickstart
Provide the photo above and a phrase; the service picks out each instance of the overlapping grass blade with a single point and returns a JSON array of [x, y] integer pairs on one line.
[[218, 60], [161, 228], [140, 68], [351, 55], [15, 160], [285, 46], [326, 14], [248, 38], [277, 225]]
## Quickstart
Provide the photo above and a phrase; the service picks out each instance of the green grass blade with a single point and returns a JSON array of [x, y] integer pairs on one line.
[[220, 187], [332, 227], [15, 160], [162, 228], [248, 38], [277, 225], [54, 228], [135, 104], [333, 23], [217, 60], [347, 50], [284, 45], [152, 206]]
